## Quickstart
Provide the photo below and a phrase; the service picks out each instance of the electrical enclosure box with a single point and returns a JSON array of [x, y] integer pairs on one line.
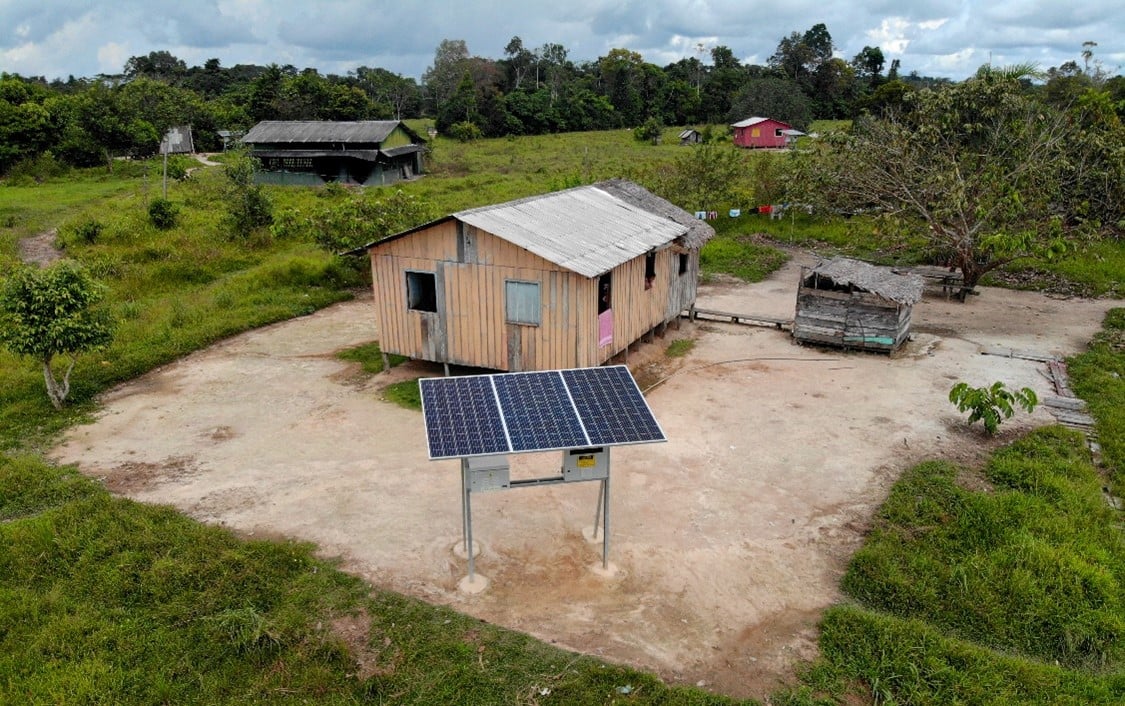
[[585, 464], [487, 473]]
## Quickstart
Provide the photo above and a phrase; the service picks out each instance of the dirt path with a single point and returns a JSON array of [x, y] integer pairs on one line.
[[40, 249], [729, 540]]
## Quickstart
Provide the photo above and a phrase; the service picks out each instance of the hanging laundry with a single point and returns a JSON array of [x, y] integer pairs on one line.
[[701, 215], [735, 212]]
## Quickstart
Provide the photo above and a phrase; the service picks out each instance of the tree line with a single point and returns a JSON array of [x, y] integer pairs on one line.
[[84, 122]]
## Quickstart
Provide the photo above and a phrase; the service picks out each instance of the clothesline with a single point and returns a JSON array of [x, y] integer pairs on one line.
[[772, 210]]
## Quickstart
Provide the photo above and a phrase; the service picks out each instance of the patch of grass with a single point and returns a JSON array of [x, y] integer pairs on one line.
[[1036, 568], [896, 660], [741, 256], [370, 357], [679, 348], [405, 394], [109, 601], [1098, 376]]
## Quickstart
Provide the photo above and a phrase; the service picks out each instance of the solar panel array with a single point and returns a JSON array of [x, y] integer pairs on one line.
[[535, 411]]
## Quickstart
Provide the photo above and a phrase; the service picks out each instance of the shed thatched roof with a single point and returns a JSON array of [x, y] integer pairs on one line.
[[698, 233], [845, 272]]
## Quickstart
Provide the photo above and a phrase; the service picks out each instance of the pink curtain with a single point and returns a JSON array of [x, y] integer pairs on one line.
[[605, 328]]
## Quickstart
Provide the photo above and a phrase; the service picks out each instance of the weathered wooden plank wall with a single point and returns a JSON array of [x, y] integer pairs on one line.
[[470, 327]]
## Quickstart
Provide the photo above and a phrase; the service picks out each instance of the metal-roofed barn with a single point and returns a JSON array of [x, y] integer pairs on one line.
[[853, 304], [561, 280], [314, 152]]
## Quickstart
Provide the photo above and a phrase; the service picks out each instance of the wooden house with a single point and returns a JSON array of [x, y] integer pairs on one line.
[[763, 132], [566, 279], [314, 152], [853, 304]]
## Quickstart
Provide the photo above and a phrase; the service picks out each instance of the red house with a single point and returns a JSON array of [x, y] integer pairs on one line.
[[763, 132]]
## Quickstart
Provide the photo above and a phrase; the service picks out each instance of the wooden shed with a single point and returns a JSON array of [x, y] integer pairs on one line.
[[315, 152], [561, 280], [853, 304]]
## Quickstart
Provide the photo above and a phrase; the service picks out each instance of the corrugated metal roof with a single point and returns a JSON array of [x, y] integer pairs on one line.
[[748, 122], [584, 229], [363, 155], [296, 131]]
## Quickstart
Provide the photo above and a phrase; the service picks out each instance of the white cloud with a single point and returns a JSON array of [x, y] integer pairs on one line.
[[933, 37], [112, 57]]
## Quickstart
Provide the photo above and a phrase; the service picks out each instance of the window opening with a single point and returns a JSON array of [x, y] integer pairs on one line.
[[421, 291], [605, 293]]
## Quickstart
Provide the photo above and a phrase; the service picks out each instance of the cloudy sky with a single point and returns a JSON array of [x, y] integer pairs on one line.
[[950, 38]]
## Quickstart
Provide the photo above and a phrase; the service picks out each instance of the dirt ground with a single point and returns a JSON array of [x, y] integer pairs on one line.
[[728, 540]]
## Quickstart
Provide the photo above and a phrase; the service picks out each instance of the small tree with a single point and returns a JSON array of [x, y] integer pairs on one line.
[[51, 312], [162, 213], [991, 405], [974, 167], [249, 206], [650, 131]]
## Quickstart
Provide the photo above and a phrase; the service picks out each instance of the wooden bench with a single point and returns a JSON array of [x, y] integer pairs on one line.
[[951, 281], [750, 319]]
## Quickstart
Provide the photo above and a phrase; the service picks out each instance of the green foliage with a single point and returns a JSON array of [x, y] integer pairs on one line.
[[162, 213], [249, 207], [37, 169], [1036, 567], [1098, 376], [979, 168], [405, 394], [52, 312], [649, 131], [906, 661], [742, 256], [342, 222], [110, 601], [88, 230], [993, 404], [679, 348], [702, 178], [464, 131], [370, 357]]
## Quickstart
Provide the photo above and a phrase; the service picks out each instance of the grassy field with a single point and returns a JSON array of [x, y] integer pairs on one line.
[[1008, 593]]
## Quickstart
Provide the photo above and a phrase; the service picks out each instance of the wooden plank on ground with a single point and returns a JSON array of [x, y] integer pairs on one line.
[[1075, 419], [1075, 404], [1021, 355]]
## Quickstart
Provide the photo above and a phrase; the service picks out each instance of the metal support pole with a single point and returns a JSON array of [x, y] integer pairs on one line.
[[598, 509], [605, 524], [464, 503], [469, 526]]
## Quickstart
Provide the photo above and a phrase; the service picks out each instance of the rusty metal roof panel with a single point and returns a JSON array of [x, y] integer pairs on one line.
[[584, 229]]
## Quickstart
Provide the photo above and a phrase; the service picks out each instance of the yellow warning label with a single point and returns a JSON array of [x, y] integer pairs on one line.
[[586, 462]]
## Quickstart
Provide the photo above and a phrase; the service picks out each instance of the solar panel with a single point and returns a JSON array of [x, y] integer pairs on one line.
[[535, 411], [538, 411], [461, 417], [611, 406]]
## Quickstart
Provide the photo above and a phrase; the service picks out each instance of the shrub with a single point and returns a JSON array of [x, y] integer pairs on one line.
[[464, 131], [162, 213], [88, 231]]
